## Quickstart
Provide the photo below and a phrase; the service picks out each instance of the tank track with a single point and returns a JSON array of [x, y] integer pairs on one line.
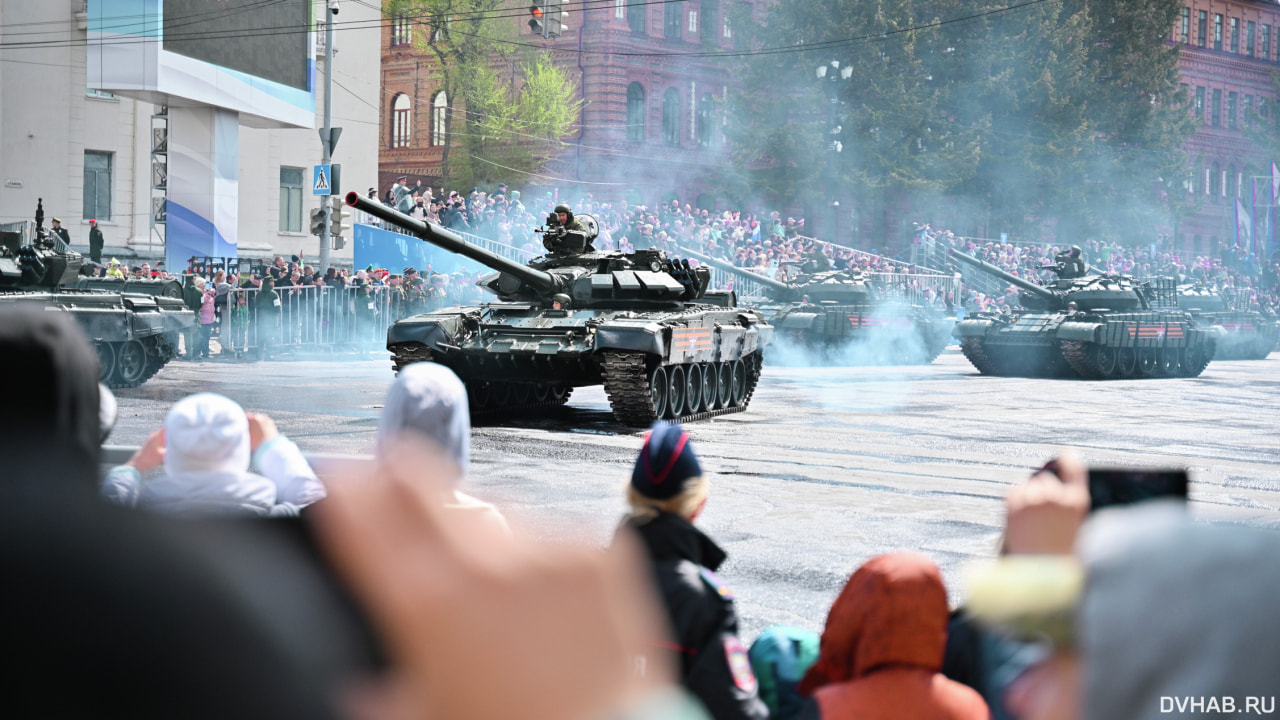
[[626, 382], [976, 353], [1076, 354], [406, 354]]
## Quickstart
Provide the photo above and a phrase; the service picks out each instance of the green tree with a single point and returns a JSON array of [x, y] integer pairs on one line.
[[500, 119]]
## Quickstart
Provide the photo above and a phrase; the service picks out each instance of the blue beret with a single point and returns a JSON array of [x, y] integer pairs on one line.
[[666, 461]]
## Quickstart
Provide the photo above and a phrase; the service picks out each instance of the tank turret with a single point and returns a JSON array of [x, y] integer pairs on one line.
[[642, 324], [1089, 292], [570, 268], [134, 334], [1246, 333], [846, 317]]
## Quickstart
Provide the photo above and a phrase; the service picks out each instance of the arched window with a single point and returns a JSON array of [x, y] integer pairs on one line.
[[671, 117], [635, 16], [706, 116], [439, 118], [1214, 190], [635, 112], [401, 121]]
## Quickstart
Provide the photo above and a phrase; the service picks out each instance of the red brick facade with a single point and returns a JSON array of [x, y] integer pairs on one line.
[[611, 157], [1228, 74]]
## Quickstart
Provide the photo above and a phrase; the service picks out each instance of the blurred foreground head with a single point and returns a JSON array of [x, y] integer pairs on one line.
[[428, 401], [51, 397], [667, 476]]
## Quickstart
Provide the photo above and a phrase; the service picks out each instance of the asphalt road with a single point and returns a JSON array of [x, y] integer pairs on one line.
[[827, 468]]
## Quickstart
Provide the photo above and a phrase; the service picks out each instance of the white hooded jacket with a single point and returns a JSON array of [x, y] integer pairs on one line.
[[207, 467]]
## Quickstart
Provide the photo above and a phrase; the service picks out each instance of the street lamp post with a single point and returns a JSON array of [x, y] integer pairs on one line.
[[831, 75]]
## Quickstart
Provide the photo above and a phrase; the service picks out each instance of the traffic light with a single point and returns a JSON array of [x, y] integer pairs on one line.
[[537, 19], [337, 215], [555, 17], [317, 221]]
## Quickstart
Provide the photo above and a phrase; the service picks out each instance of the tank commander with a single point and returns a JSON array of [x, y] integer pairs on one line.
[[1069, 264], [565, 233]]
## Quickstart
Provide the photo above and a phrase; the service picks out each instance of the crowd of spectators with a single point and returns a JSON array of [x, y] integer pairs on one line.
[[240, 583], [1231, 270]]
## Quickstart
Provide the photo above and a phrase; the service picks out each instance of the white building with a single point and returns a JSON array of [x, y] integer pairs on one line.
[[89, 152]]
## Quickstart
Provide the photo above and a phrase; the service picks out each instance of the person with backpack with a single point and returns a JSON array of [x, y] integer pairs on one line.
[[667, 493]]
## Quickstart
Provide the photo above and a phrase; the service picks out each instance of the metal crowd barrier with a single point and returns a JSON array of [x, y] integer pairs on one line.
[[307, 317]]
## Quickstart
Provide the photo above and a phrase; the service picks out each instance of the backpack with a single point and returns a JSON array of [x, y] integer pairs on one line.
[[780, 657]]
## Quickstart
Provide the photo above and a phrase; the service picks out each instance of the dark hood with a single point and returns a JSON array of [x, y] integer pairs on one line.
[[49, 402]]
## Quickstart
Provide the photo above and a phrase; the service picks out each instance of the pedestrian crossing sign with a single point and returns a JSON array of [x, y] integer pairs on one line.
[[322, 184]]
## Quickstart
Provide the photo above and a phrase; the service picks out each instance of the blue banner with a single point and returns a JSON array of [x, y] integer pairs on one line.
[[394, 251]]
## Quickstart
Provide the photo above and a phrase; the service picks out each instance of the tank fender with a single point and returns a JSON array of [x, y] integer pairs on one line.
[[1081, 331], [797, 321], [640, 337], [972, 327], [428, 330]]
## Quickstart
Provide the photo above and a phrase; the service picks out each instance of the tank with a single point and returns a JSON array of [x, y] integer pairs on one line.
[[1091, 326], [1247, 335], [642, 324], [834, 310], [134, 333]]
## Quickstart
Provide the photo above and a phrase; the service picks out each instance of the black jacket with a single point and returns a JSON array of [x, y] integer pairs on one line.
[[713, 661]]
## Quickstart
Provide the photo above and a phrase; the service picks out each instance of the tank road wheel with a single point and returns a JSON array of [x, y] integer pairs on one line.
[[710, 383], [560, 394], [541, 393], [500, 395], [520, 394], [106, 360], [658, 387], [1127, 362], [738, 382], [724, 384], [1148, 362], [675, 391], [1107, 359], [131, 364], [1194, 360], [479, 396], [1170, 360], [693, 389]]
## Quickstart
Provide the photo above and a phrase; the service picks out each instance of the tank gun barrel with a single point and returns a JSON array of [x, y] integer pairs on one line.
[[451, 241], [993, 270], [733, 269]]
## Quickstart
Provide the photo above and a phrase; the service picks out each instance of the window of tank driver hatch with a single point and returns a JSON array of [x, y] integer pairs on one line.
[[268, 40]]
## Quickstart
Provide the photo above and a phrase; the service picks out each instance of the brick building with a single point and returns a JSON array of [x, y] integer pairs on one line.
[[1228, 55], [654, 116]]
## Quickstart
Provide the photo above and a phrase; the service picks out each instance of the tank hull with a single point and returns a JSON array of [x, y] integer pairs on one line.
[[1245, 336], [861, 334], [134, 335], [1088, 345], [687, 362]]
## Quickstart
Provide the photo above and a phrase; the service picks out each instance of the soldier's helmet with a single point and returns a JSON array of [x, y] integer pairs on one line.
[[1075, 251], [568, 211]]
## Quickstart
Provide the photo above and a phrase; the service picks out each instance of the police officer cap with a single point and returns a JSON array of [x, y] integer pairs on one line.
[[666, 462], [562, 208]]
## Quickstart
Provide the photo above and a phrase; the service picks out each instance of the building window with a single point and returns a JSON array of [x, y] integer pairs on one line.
[[1231, 110], [1265, 41], [1247, 113], [708, 18], [97, 185], [1217, 32], [1202, 28], [1235, 35], [401, 121], [671, 16], [439, 118], [1217, 108], [620, 9], [1249, 30], [706, 117], [635, 112], [635, 17], [1186, 25], [1211, 186], [1200, 104], [99, 94], [290, 199], [401, 30], [693, 22], [1234, 180], [671, 117], [1263, 110]]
